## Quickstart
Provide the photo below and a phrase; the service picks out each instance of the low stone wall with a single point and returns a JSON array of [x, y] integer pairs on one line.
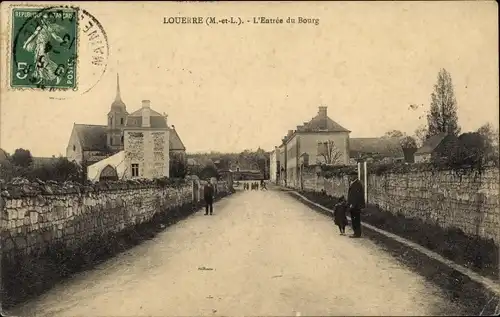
[[41, 221], [469, 202]]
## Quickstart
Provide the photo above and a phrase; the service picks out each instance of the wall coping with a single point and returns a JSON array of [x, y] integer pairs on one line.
[[21, 187]]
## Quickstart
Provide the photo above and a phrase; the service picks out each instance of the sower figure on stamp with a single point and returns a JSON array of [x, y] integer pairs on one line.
[[45, 68], [208, 193], [356, 202]]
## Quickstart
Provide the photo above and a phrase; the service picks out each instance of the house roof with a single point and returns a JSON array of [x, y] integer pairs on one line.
[[389, 147], [175, 141], [92, 137], [3, 155], [156, 120], [431, 144], [319, 123], [39, 161]]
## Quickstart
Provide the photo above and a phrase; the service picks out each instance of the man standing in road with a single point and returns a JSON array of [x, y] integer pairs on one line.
[[208, 193], [356, 202]]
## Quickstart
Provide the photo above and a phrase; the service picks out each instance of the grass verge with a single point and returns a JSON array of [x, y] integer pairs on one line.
[[479, 255]]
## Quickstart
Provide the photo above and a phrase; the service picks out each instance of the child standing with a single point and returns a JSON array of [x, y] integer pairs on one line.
[[339, 214]]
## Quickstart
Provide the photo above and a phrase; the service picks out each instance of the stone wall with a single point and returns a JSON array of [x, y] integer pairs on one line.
[[36, 215], [50, 230], [469, 202]]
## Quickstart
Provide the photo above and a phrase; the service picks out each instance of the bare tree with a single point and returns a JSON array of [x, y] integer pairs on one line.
[[330, 153], [420, 135]]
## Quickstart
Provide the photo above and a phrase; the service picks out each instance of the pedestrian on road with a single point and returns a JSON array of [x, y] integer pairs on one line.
[[356, 202], [208, 193], [339, 215]]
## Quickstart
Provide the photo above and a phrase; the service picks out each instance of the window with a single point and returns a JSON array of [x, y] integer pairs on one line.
[[121, 121], [74, 148], [110, 140], [135, 170], [110, 120], [122, 139]]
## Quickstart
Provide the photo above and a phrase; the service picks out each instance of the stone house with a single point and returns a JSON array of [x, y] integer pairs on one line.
[[307, 141], [91, 143], [433, 147], [145, 151]]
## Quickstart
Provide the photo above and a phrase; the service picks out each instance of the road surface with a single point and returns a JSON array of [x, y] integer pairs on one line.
[[262, 253]]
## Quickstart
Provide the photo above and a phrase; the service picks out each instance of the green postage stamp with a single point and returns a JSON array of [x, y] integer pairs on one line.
[[44, 48]]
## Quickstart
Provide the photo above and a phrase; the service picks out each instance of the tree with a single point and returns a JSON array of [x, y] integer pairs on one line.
[[420, 135], [60, 170], [22, 157], [178, 168], [330, 153], [490, 137], [408, 142], [394, 134], [208, 172], [443, 111]]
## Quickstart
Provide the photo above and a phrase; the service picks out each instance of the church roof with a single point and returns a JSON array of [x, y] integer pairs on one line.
[[92, 137]]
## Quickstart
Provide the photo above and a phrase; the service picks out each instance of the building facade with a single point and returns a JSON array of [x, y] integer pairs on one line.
[[143, 136], [145, 151], [321, 139], [273, 165]]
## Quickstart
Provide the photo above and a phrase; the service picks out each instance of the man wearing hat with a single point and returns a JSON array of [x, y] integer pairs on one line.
[[356, 202]]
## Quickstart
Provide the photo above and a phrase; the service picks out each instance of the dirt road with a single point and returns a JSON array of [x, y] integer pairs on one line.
[[262, 253]]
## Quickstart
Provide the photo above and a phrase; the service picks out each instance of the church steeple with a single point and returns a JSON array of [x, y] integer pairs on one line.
[[117, 118], [118, 104], [118, 96]]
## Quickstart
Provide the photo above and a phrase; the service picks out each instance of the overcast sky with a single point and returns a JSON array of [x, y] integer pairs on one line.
[[230, 88]]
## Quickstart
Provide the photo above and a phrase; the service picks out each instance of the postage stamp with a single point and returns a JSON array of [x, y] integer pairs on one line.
[[44, 47], [62, 50]]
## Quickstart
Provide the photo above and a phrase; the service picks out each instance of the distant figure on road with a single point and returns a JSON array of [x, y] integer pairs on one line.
[[208, 193], [339, 215], [262, 185], [356, 202]]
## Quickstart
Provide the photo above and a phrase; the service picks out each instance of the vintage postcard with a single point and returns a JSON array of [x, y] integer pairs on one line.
[[231, 158]]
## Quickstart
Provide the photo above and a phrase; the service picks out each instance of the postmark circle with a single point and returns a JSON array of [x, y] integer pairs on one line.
[[60, 49]]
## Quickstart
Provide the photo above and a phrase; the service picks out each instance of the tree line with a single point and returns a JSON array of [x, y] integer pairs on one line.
[[474, 148]]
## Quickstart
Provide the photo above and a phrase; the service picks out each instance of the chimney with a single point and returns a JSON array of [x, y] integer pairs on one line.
[[290, 132], [146, 114], [322, 112]]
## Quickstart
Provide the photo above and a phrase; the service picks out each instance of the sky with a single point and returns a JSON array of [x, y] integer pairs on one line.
[[234, 87]]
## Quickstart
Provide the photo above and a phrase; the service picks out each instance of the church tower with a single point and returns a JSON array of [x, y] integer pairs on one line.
[[117, 117]]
